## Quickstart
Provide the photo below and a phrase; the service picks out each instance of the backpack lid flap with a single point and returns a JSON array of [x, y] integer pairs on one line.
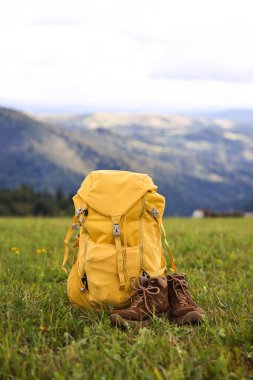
[[113, 192]]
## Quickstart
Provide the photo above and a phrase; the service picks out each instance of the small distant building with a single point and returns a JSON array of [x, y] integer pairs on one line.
[[248, 214], [198, 214]]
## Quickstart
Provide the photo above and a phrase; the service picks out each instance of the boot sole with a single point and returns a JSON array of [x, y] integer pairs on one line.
[[193, 317], [117, 320]]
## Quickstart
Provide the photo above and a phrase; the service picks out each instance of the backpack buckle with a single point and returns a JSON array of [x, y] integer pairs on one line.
[[74, 226], [154, 212], [78, 211], [116, 230]]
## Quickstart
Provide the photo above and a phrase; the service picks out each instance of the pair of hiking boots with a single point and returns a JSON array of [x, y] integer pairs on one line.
[[161, 296]]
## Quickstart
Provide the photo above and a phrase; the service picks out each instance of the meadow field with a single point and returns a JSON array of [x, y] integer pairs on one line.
[[43, 337]]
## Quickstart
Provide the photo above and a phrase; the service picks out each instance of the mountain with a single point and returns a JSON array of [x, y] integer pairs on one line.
[[238, 115], [196, 162], [48, 157]]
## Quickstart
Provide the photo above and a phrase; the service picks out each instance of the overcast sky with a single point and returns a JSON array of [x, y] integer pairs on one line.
[[132, 55]]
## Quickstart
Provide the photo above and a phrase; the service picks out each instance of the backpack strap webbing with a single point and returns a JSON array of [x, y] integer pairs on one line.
[[172, 261], [73, 227], [119, 251], [155, 213]]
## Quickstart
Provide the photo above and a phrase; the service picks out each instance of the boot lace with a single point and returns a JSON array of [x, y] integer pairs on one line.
[[180, 287], [142, 294]]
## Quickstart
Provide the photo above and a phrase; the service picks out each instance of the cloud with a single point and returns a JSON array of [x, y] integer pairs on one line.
[[129, 55], [204, 72]]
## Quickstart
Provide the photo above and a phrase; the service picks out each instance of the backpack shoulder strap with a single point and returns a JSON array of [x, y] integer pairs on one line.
[[73, 227], [172, 261], [155, 213], [78, 219]]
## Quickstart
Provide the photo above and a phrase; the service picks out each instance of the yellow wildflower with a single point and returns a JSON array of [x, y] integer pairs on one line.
[[15, 250], [41, 250], [42, 328]]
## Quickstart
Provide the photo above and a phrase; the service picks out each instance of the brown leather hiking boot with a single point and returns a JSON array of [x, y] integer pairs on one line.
[[151, 297], [182, 308]]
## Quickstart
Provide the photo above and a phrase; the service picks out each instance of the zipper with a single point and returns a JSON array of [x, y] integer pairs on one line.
[[141, 244], [85, 246]]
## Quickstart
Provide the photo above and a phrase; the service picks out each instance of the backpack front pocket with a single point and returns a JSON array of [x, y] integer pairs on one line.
[[77, 293], [102, 272]]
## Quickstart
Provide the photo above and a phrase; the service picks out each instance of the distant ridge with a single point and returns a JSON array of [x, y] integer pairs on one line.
[[196, 162], [237, 115]]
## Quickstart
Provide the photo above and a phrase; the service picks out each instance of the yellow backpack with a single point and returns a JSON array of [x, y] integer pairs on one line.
[[120, 218]]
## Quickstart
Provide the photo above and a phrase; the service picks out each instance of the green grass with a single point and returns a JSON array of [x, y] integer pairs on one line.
[[43, 337]]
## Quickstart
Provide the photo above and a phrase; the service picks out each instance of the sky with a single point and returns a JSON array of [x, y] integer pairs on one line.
[[157, 56]]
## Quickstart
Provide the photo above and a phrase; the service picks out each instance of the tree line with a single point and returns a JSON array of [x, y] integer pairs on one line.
[[25, 201]]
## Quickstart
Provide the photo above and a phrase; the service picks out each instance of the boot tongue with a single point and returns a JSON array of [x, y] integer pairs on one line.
[[162, 281], [144, 281], [181, 287]]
